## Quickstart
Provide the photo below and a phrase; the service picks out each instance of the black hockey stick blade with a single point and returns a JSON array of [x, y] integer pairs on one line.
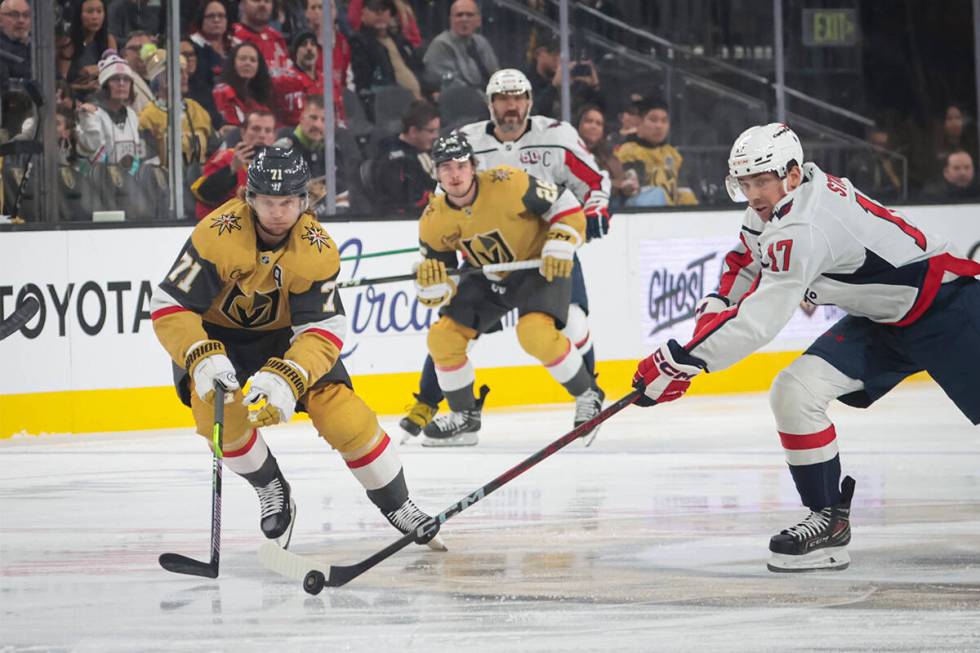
[[180, 564], [339, 575], [19, 317]]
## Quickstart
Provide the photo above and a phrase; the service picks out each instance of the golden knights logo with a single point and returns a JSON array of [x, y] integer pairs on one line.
[[316, 236], [226, 222], [487, 249], [499, 174], [251, 312]]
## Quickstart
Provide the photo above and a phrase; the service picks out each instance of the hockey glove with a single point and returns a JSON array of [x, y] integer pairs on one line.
[[281, 383], [707, 309], [666, 374], [596, 221], [206, 362], [558, 252], [432, 283]]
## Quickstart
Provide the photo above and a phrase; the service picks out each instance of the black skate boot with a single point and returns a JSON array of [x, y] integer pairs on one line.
[[278, 510], [458, 428], [419, 416], [819, 541], [409, 517], [587, 406]]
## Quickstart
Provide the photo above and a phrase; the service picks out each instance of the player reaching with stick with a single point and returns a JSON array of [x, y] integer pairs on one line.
[[911, 306]]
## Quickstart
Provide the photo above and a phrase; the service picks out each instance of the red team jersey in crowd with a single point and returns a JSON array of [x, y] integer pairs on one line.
[[271, 45], [231, 107], [220, 159]]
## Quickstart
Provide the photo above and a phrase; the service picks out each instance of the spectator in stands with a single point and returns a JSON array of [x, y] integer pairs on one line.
[[109, 130], [875, 171], [542, 72], [655, 162], [245, 85], [956, 132], [380, 57], [89, 39], [195, 125], [404, 19], [459, 55], [128, 16], [290, 18], [226, 171], [137, 46], [67, 137], [401, 171], [629, 119], [254, 28], [314, 15], [302, 79], [591, 126], [958, 184], [63, 97], [211, 38], [15, 39]]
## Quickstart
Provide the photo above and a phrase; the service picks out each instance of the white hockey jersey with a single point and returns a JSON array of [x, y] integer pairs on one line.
[[831, 244], [549, 149]]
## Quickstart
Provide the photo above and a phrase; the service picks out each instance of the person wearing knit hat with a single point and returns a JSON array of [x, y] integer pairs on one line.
[[109, 128], [196, 128]]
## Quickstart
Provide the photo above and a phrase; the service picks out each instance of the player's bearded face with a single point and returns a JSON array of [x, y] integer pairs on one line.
[[456, 177], [510, 111], [277, 214]]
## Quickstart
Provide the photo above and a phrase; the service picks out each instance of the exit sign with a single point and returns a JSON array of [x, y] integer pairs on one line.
[[830, 28]]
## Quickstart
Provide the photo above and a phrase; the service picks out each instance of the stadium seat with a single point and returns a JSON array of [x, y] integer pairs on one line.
[[357, 120], [155, 183], [77, 195], [390, 103], [462, 101], [11, 180]]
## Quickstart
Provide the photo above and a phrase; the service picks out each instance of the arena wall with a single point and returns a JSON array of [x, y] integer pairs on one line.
[[89, 361]]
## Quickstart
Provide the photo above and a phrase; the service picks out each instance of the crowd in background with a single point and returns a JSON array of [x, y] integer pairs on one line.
[[251, 76]]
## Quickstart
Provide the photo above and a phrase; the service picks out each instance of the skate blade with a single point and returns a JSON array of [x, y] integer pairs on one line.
[[283, 540], [829, 559], [590, 436], [463, 440]]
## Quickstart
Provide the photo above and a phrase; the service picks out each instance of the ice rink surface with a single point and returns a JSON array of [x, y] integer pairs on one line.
[[653, 539]]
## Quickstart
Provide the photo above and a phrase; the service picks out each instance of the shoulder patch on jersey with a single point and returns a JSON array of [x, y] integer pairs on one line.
[[226, 222], [316, 237]]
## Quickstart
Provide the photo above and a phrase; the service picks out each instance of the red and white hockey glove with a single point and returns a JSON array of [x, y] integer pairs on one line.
[[665, 375], [707, 309], [596, 221]]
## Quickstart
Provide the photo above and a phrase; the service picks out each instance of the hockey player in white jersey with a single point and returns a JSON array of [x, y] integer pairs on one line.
[[550, 150], [911, 304]]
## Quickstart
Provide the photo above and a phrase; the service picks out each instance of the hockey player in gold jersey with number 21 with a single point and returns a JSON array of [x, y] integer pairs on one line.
[[496, 216], [251, 297]]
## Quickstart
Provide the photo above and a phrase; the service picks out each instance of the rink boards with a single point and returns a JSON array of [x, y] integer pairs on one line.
[[89, 361]]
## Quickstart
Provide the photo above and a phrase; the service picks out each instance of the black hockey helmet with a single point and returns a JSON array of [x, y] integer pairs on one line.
[[278, 171], [452, 147]]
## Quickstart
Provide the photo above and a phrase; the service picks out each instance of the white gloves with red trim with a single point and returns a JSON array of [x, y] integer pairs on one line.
[[596, 220], [665, 375], [707, 309]]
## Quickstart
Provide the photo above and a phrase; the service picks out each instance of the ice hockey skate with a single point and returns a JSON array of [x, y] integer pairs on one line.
[[278, 510], [409, 517], [819, 541], [420, 414], [587, 406], [457, 429]]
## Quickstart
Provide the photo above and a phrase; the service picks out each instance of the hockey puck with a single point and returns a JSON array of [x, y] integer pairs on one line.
[[314, 582]]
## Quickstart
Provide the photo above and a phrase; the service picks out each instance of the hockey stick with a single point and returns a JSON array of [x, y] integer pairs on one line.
[[181, 564], [19, 317], [389, 252], [492, 268], [336, 576]]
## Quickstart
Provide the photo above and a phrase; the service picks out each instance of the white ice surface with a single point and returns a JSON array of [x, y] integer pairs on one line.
[[654, 539]]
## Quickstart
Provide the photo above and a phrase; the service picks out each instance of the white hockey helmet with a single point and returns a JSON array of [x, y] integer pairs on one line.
[[509, 81], [763, 148]]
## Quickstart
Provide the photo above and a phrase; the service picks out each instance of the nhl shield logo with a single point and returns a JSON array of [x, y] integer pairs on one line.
[[488, 249], [251, 312]]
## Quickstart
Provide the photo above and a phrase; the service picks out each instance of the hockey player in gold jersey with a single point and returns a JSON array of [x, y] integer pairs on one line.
[[497, 216], [251, 297]]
